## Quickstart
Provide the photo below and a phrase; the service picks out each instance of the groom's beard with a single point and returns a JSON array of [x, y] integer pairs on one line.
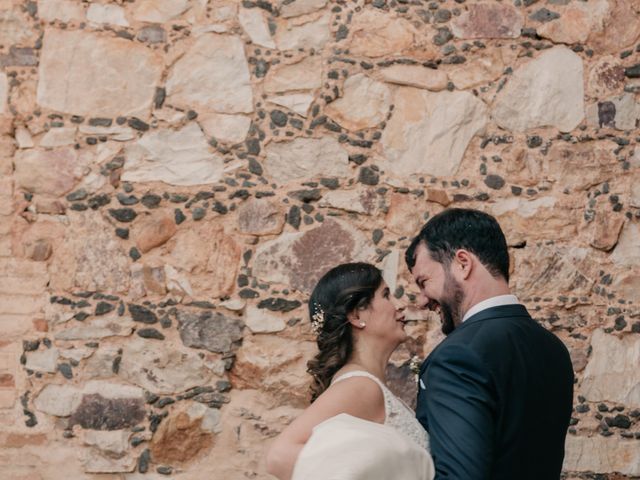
[[450, 306]]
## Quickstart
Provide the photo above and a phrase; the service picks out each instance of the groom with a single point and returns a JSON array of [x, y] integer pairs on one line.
[[496, 394]]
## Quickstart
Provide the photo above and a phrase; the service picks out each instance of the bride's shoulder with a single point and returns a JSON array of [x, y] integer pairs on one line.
[[356, 395]]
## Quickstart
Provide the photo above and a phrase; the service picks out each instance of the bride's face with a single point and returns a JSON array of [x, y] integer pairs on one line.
[[384, 318]]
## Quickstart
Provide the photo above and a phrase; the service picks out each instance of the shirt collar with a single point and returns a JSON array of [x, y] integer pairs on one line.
[[490, 303]]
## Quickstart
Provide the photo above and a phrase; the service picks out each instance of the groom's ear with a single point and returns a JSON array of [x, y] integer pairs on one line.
[[462, 265]]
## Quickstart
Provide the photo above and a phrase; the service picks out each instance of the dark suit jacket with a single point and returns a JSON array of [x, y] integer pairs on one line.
[[498, 399]]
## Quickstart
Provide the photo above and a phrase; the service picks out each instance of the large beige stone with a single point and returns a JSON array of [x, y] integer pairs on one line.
[[296, 102], [122, 76], [305, 74], [90, 258], [487, 20], [14, 27], [209, 256], [62, 10], [275, 365], [481, 69], [262, 321], [58, 137], [260, 217], [306, 158], [42, 360], [600, 454], [212, 76], [58, 400], [547, 91], [159, 11], [428, 133], [621, 112], [154, 231], [176, 157], [612, 374], [300, 259], [224, 127], [605, 77], [364, 103], [542, 270], [107, 14], [414, 76], [299, 7], [619, 28], [313, 33], [101, 327], [377, 34], [161, 370], [575, 23], [255, 25], [48, 172], [357, 201], [627, 251]]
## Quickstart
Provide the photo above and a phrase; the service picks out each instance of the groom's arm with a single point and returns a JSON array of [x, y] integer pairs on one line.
[[459, 403]]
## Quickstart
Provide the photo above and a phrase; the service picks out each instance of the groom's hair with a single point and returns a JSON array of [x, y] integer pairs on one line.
[[472, 230]]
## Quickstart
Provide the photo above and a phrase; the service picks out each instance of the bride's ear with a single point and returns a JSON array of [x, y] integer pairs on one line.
[[355, 318]]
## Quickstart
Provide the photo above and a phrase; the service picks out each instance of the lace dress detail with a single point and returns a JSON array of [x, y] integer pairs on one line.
[[397, 414]]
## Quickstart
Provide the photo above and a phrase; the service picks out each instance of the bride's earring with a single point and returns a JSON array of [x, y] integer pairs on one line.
[[362, 324]]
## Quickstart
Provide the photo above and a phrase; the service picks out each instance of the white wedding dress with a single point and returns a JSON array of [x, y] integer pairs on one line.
[[345, 447]]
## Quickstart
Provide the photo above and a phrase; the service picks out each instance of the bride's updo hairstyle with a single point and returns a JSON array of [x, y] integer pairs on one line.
[[339, 292]]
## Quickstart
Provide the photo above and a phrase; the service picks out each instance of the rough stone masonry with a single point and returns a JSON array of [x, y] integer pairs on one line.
[[176, 174]]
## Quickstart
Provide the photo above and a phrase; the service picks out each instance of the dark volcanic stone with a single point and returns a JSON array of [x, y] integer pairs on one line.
[[135, 254], [377, 235], [255, 167], [278, 117], [127, 200], [123, 215], [151, 200], [534, 141], [143, 461], [494, 181], [104, 307], [178, 216], [368, 176], [330, 183], [442, 37], [30, 345], [253, 146], [138, 124], [81, 316], [619, 421], [100, 122], [150, 333], [158, 98], [248, 293], [122, 233], [142, 314], [198, 213], [279, 304], [209, 330], [98, 413], [294, 216], [307, 195], [606, 114], [633, 72], [78, 195], [342, 33], [544, 15], [65, 370], [98, 201]]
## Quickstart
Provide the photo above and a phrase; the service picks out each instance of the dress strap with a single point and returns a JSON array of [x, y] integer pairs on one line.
[[361, 373]]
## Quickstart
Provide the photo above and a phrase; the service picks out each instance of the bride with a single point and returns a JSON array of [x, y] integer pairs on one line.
[[355, 428]]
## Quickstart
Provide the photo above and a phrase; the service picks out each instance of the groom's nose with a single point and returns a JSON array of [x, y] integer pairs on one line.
[[422, 301]]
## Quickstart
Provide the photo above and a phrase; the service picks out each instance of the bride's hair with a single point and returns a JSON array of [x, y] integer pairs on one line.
[[339, 292]]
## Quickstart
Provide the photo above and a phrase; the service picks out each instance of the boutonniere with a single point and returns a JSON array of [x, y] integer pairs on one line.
[[414, 365]]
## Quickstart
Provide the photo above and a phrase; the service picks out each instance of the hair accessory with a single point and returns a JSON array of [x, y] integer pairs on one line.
[[317, 319]]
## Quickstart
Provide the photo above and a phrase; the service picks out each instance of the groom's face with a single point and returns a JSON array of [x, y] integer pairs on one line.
[[439, 290]]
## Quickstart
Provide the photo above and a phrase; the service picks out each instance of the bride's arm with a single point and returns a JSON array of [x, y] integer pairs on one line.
[[357, 396]]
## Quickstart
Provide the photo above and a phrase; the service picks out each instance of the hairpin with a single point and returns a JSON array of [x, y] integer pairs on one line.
[[317, 319]]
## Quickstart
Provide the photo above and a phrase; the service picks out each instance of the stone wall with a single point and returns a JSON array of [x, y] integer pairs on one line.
[[176, 174]]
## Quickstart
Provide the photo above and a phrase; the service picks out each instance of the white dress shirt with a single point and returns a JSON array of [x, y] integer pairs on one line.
[[498, 301]]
